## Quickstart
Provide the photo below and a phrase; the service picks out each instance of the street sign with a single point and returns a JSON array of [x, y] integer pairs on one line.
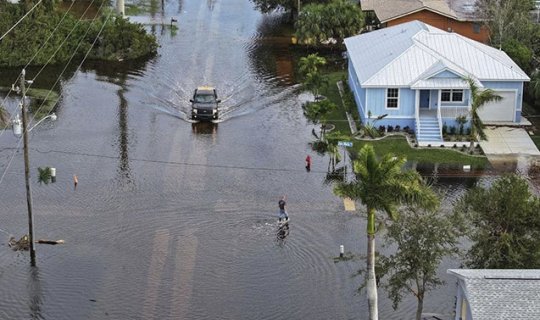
[[345, 143]]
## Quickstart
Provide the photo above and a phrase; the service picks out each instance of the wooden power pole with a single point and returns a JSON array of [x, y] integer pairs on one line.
[[27, 173]]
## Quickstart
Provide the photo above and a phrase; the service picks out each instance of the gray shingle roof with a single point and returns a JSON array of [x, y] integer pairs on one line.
[[387, 10], [501, 294]]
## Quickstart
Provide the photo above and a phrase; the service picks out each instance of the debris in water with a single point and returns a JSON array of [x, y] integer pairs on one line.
[[22, 244], [53, 242]]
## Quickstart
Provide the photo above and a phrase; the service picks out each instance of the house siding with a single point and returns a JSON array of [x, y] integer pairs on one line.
[[377, 103], [463, 310], [358, 92], [464, 28]]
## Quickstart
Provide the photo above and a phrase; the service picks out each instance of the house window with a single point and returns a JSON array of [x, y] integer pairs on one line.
[[451, 95], [476, 27], [392, 98]]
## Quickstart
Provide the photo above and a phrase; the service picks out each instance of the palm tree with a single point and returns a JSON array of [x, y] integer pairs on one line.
[[479, 99], [382, 186]]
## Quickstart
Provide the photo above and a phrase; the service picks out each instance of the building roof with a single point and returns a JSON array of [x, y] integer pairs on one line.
[[400, 55], [501, 294], [387, 10]]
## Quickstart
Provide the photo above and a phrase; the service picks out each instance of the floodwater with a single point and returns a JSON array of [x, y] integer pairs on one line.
[[177, 220]]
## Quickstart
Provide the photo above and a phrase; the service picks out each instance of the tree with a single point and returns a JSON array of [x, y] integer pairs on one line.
[[520, 53], [329, 23], [292, 6], [318, 112], [506, 19], [309, 69], [423, 239], [504, 222], [382, 185], [534, 85], [479, 99], [50, 37]]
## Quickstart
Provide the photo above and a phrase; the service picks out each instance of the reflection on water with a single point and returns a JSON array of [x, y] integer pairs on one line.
[[35, 294], [204, 127], [282, 233], [124, 169], [270, 50]]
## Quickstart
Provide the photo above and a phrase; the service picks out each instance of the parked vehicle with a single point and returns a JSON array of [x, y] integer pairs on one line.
[[204, 105]]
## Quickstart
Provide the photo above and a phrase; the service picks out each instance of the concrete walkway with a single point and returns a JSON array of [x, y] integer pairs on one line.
[[506, 140]]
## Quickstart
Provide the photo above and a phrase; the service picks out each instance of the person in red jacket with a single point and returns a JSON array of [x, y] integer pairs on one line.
[[308, 163]]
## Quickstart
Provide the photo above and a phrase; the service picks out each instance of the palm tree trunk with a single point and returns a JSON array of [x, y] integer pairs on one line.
[[371, 285], [473, 136]]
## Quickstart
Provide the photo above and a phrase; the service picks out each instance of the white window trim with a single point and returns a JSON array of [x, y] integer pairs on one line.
[[386, 99], [451, 95]]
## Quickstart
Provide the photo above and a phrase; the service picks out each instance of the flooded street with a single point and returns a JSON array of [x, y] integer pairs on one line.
[[177, 220]]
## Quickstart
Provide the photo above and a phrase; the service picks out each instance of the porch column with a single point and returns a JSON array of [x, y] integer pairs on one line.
[[417, 101], [439, 99], [470, 101]]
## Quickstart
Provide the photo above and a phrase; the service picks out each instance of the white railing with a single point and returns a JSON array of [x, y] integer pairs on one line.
[[439, 118], [417, 121], [454, 112]]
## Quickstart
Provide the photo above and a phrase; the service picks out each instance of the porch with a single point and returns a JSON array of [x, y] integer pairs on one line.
[[435, 106]]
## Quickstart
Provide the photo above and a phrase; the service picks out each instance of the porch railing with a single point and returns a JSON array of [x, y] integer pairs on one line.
[[453, 112], [417, 121], [439, 118]]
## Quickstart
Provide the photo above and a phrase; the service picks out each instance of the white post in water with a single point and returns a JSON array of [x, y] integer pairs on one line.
[[53, 175], [121, 8], [341, 251]]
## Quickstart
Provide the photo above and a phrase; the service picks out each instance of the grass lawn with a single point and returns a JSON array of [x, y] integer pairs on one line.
[[399, 147], [337, 117], [536, 140]]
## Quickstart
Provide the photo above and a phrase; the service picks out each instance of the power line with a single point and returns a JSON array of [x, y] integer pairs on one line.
[[177, 163], [58, 79], [33, 57], [21, 19]]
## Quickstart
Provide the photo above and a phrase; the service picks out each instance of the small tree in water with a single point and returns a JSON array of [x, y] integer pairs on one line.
[[309, 68], [423, 239]]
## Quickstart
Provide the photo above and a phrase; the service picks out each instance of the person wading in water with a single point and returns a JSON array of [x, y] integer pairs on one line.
[[282, 210]]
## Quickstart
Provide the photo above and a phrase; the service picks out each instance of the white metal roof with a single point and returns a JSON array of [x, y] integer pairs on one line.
[[441, 83], [501, 294], [399, 55]]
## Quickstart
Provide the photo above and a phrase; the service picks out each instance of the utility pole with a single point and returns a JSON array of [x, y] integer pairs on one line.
[[27, 173]]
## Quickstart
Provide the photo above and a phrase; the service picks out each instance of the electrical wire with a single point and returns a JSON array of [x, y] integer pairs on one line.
[[67, 64], [75, 51], [32, 59], [21, 19]]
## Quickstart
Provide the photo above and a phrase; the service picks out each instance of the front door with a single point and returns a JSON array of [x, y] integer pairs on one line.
[[424, 99]]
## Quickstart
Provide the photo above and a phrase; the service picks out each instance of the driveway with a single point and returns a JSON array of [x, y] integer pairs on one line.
[[507, 140]]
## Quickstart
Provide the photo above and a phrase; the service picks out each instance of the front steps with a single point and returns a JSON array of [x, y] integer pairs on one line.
[[428, 131]]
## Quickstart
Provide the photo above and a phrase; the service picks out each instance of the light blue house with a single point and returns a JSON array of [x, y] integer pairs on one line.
[[491, 294], [414, 74]]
